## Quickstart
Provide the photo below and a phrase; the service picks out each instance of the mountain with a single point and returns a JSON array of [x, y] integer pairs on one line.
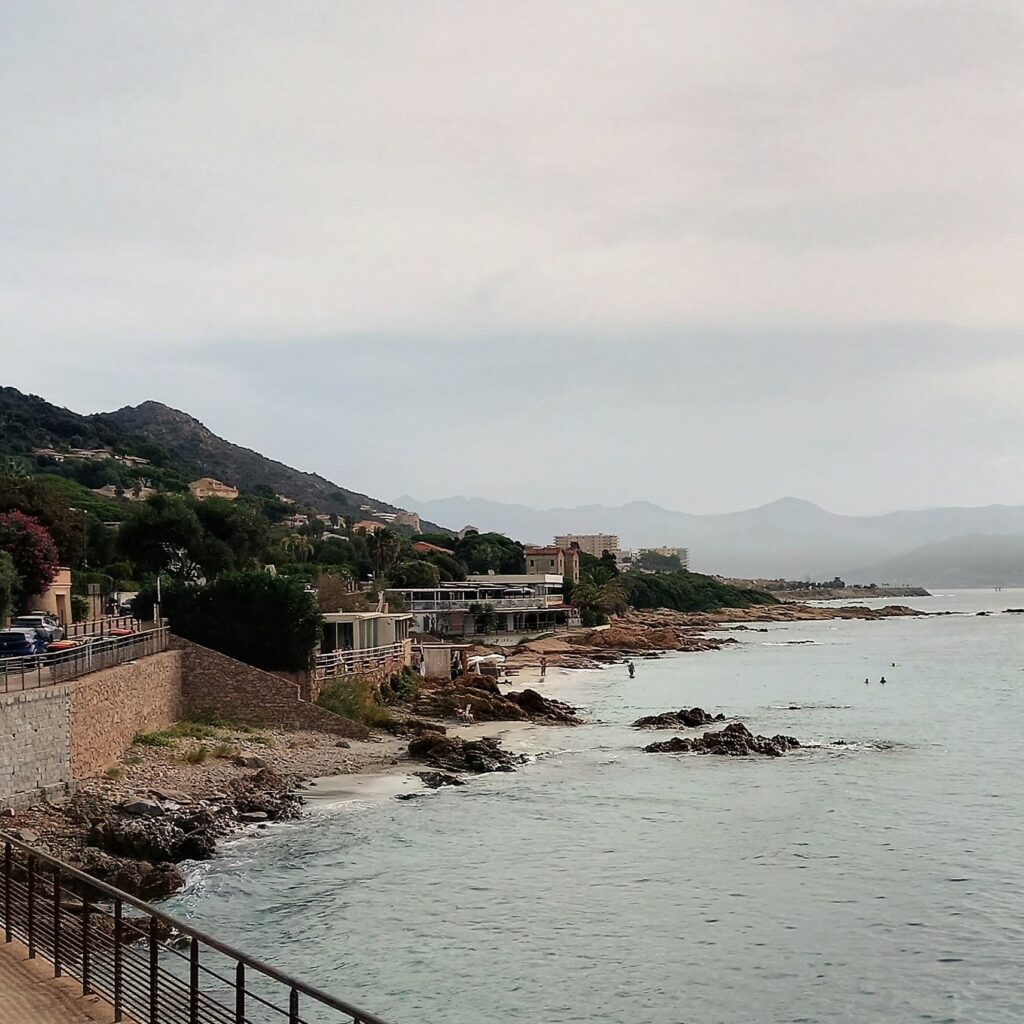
[[974, 560], [184, 444], [790, 537]]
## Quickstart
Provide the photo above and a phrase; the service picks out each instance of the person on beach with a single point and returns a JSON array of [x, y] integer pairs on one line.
[[543, 666], [632, 669]]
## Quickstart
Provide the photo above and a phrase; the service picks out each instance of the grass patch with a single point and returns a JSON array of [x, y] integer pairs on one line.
[[153, 739], [191, 730], [225, 751], [115, 772], [263, 741], [358, 699], [195, 755], [134, 759]]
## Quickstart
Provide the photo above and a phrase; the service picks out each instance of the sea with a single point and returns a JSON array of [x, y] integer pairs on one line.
[[874, 875]]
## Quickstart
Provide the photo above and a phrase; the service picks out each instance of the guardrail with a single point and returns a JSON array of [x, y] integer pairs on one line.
[[150, 967], [101, 626], [528, 604], [342, 663], [91, 655]]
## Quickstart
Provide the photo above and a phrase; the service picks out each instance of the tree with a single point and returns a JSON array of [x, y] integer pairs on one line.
[[415, 573], [385, 548], [660, 563], [271, 622], [297, 546], [162, 533], [32, 552], [10, 582], [48, 503], [598, 595], [484, 552]]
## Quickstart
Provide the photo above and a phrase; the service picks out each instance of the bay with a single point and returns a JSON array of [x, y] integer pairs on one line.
[[876, 879]]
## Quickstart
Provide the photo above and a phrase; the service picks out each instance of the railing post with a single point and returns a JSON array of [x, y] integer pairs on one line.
[[56, 922], [118, 964], [7, 892], [293, 1006], [86, 950], [154, 967], [239, 993], [31, 907], [193, 983]]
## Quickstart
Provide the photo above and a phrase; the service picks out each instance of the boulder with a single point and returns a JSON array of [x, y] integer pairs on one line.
[[249, 761], [435, 780], [143, 807], [734, 740], [684, 718], [457, 755]]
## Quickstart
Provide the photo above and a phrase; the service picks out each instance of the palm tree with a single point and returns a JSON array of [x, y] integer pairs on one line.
[[384, 549], [297, 545], [601, 593]]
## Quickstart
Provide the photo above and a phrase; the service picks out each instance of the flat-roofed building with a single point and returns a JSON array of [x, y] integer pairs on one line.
[[595, 544]]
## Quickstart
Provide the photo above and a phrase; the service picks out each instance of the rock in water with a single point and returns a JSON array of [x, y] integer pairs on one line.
[[457, 755], [735, 740], [684, 718], [435, 780]]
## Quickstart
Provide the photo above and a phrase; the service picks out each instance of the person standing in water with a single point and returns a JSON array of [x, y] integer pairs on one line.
[[543, 666], [632, 669]]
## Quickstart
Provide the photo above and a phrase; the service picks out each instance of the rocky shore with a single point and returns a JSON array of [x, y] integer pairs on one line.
[[653, 632], [175, 794]]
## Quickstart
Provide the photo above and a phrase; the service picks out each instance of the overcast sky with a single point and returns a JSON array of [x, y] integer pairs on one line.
[[702, 254]]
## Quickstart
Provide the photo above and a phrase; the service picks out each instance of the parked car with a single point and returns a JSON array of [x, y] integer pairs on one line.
[[20, 643], [46, 626]]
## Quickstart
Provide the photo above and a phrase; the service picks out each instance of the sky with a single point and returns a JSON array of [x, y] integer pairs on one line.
[[555, 253]]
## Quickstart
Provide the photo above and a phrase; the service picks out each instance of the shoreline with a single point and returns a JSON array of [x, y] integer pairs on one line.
[[174, 795]]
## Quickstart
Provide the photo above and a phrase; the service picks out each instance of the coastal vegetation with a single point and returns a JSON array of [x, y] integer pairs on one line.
[[689, 592], [271, 622]]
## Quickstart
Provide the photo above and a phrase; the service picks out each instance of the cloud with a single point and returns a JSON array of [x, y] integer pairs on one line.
[[198, 171]]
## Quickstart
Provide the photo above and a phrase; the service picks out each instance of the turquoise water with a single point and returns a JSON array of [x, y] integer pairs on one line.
[[882, 880]]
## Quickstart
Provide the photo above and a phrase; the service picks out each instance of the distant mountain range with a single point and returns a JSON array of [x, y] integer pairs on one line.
[[790, 538], [27, 422]]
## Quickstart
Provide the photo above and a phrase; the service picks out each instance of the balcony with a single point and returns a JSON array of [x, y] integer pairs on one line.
[[389, 658]]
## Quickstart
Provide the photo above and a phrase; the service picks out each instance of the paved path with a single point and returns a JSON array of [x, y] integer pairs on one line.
[[30, 995]]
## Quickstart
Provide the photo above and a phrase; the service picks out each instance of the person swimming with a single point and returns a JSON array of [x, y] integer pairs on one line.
[[882, 680], [866, 681]]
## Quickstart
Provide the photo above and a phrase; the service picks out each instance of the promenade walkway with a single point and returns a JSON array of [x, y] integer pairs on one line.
[[29, 994]]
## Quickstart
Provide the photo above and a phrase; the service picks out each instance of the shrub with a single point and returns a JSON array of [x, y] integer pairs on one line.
[[152, 739], [195, 755], [266, 621], [225, 751], [33, 553], [356, 698]]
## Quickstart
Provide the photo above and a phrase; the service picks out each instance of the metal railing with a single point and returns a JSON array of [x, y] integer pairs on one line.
[[530, 604], [101, 626], [342, 663], [150, 967], [92, 655]]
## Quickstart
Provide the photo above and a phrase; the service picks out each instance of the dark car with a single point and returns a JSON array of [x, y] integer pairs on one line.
[[20, 643]]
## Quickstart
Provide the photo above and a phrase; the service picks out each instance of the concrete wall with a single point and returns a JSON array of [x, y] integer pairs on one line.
[[34, 754], [214, 683], [108, 708]]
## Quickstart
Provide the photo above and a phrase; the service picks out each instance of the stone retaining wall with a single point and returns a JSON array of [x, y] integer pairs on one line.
[[109, 707], [34, 755], [213, 683]]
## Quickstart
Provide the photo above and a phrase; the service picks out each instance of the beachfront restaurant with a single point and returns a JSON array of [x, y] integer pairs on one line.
[[486, 605]]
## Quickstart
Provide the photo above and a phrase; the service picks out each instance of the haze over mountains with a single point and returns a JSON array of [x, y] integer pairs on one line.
[[790, 537]]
